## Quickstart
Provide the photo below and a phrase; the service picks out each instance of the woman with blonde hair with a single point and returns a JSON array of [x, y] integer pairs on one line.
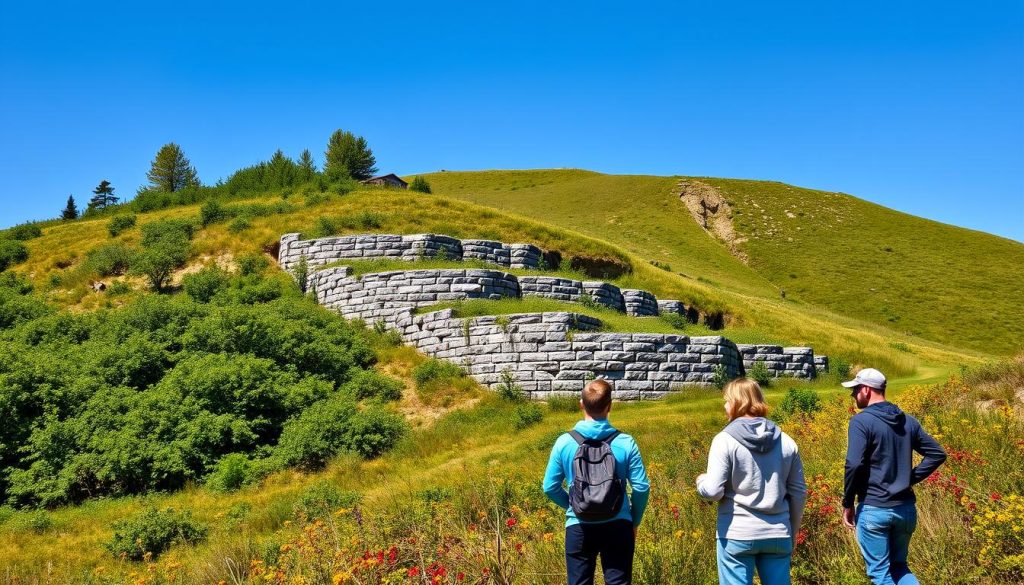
[[755, 475]]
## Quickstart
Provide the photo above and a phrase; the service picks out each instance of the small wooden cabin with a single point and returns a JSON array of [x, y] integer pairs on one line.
[[390, 180]]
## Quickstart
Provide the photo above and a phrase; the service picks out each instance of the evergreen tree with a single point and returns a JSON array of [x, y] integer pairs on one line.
[[71, 211], [307, 167], [281, 171], [103, 195], [348, 156], [171, 170]]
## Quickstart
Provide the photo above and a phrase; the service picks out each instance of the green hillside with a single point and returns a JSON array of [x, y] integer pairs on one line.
[[911, 275]]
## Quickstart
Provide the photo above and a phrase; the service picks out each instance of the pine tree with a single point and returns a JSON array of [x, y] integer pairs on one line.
[[307, 167], [71, 211], [348, 156], [103, 195], [281, 170], [171, 170]]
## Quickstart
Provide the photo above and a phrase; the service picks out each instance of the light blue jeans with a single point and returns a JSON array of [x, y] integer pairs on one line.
[[737, 560], [884, 538]]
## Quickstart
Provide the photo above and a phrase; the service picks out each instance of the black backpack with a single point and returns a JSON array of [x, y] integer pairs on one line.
[[596, 492]]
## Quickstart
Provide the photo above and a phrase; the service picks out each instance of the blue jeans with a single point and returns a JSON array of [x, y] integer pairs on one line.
[[737, 560], [612, 541], [884, 538]]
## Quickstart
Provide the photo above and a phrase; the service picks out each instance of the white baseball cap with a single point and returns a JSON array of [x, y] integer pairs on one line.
[[867, 377]]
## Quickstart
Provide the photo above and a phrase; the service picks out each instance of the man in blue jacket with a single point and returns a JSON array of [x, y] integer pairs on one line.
[[880, 475], [612, 539]]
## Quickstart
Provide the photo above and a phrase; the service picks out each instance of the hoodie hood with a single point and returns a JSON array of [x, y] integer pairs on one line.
[[594, 429], [759, 435], [888, 413]]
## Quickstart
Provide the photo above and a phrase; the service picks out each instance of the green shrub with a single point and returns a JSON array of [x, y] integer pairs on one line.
[[23, 232], [322, 499], [232, 472], [110, 259], [527, 415], [252, 264], [15, 283], [118, 288], [205, 284], [370, 384], [508, 389], [239, 224], [325, 226], [759, 373], [12, 252], [18, 308], [803, 401], [212, 212], [35, 521], [676, 320], [369, 219], [120, 223], [900, 346], [311, 439], [374, 431], [721, 377], [839, 368], [154, 531], [419, 184], [434, 369], [167, 231]]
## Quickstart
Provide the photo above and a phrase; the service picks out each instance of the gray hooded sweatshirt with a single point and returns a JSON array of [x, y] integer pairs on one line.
[[755, 475]]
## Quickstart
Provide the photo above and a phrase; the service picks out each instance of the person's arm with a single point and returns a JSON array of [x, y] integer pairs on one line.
[[711, 485], [856, 462], [639, 482], [796, 491], [554, 476], [932, 452]]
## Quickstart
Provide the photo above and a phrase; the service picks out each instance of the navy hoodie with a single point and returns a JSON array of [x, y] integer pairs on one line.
[[879, 459]]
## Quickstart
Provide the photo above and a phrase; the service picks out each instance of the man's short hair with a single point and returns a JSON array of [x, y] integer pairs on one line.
[[597, 397]]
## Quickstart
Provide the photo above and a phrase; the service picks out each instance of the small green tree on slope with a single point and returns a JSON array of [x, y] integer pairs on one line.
[[171, 170], [71, 210], [103, 195], [348, 156]]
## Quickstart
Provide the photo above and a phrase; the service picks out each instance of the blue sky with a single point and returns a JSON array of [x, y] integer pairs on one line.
[[916, 106]]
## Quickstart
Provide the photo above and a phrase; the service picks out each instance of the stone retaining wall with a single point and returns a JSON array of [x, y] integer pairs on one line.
[[797, 362], [542, 357], [410, 247]]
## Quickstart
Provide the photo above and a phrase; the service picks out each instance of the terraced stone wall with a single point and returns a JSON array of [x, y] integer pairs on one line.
[[543, 358]]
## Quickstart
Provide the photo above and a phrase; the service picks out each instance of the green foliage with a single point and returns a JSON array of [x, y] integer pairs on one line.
[[211, 212], [420, 185], [231, 473], [325, 226], [675, 320], [103, 196], [311, 439], [348, 157], [802, 401], [527, 415], [12, 252], [564, 404], [110, 259], [508, 388], [370, 384], [70, 210], [239, 224], [434, 369], [760, 374], [17, 307], [721, 377], [373, 431], [322, 499], [120, 223], [252, 264], [154, 531], [171, 170], [23, 232], [165, 247], [203, 285]]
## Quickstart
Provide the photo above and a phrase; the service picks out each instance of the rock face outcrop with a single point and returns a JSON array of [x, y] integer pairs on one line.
[[544, 353]]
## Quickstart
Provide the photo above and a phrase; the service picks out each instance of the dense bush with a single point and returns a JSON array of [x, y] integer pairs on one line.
[[154, 531], [760, 374], [252, 264], [165, 247], [803, 401], [156, 394], [120, 223], [435, 369], [420, 185], [370, 384], [110, 259], [203, 285], [373, 431], [12, 252], [23, 232], [527, 415]]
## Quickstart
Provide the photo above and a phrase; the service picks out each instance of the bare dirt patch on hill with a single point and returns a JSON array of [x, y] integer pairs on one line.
[[712, 212]]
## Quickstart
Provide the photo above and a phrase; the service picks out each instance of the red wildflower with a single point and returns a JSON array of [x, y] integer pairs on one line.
[[511, 522], [460, 576], [414, 571], [801, 537], [995, 497]]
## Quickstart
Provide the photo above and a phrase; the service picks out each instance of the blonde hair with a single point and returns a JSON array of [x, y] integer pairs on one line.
[[746, 398], [597, 397]]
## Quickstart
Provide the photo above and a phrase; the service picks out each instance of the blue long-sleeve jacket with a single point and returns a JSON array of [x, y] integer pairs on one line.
[[879, 458], [628, 465]]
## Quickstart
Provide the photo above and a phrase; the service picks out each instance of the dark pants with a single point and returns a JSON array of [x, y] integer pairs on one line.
[[612, 541]]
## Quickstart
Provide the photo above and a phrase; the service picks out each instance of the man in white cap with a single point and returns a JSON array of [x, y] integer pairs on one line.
[[880, 474]]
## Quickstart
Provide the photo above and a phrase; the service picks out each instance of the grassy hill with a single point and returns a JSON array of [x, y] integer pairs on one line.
[[911, 275], [449, 492]]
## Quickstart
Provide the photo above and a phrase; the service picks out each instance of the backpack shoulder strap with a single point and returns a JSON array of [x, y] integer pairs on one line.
[[611, 437], [580, 439]]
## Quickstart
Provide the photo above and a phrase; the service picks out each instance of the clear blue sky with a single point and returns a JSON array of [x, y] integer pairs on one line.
[[917, 106]]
